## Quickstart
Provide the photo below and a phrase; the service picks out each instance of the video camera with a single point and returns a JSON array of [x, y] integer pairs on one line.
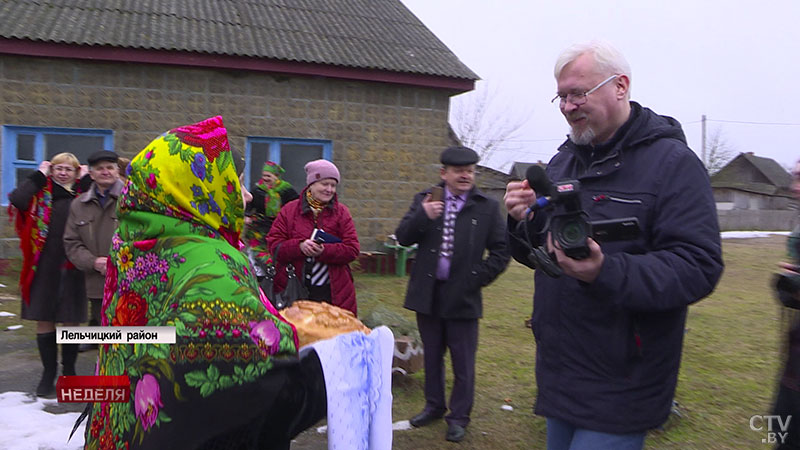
[[568, 222], [570, 227], [787, 286]]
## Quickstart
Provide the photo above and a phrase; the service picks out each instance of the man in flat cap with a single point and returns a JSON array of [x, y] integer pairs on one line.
[[91, 224], [445, 284]]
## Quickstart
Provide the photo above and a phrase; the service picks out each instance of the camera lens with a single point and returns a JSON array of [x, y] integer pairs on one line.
[[572, 233]]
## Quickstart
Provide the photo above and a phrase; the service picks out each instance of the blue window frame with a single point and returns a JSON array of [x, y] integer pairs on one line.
[[291, 154], [24, 148]]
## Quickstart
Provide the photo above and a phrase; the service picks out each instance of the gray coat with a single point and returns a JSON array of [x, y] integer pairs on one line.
[[88, 234], [479, 227]]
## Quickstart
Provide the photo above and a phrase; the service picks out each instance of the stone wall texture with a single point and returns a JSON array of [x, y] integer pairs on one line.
[[386, 137]]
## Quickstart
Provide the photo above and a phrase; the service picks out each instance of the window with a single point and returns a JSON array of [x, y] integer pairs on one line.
[[24, 148], [291, 154]]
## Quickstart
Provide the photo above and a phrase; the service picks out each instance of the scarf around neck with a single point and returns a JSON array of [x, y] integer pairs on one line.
[[272, 196], [315, 205]]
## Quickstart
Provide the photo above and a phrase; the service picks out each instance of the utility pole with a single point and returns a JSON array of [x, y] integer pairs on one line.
[[703, 142]]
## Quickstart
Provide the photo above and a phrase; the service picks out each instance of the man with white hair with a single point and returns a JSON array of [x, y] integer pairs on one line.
[[609, 330]]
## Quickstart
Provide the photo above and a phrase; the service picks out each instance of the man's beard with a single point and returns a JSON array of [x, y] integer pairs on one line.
[[584, 138]]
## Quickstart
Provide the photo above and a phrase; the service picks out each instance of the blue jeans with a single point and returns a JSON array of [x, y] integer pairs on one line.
[[562, 435]]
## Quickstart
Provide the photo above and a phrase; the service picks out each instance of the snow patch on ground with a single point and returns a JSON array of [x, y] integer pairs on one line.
[[26, 425], [750, 234]]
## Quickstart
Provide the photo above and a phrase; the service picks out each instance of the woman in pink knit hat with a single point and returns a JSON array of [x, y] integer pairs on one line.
[[322, 264]]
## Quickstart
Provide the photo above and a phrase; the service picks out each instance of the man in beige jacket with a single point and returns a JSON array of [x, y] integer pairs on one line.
[[91, 224]]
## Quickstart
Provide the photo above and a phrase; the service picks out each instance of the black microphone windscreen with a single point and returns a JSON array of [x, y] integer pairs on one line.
[[538, 180]]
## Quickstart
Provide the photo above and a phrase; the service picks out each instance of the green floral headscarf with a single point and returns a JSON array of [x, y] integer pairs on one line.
[[272, 197]]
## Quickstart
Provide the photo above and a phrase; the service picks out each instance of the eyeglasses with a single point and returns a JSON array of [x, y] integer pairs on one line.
[[579, 99], [63, 169]]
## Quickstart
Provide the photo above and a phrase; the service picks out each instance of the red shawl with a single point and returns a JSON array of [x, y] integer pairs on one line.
[[31, 227]]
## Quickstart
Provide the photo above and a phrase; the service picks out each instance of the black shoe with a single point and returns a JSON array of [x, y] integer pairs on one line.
[[69, 354], [455, 433], [45, 388], [48, 352], [424, 418]]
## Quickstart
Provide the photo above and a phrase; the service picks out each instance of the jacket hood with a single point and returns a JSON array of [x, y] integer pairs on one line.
[[647, 126], [643, 127]]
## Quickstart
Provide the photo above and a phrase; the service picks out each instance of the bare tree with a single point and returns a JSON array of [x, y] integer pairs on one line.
[[718, 152], [482, 123]]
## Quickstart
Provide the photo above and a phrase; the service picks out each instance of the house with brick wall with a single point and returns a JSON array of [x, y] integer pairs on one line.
[[362, 83]]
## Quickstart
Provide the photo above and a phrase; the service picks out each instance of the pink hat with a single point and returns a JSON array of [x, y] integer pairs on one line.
[[319, 170]]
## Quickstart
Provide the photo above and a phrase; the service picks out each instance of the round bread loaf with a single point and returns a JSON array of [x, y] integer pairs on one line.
[[316, 321]]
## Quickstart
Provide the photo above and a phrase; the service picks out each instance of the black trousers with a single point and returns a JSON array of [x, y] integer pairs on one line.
[[460, 336], [96, 304], [787, 404]]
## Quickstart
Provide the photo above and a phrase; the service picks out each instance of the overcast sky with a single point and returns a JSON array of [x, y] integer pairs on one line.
[[734, 61]]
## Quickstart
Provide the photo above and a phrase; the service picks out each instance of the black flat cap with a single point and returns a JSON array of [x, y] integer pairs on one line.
[[102, 155], [459, 156]]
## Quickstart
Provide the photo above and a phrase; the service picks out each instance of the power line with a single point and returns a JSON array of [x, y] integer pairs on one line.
[[528, 141], [755, 123], [744, 122]]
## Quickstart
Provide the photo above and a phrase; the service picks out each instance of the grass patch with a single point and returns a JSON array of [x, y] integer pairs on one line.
[[728, 373]]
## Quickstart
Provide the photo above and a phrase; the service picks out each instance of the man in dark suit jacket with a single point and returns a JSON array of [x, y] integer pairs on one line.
[[445, 285]]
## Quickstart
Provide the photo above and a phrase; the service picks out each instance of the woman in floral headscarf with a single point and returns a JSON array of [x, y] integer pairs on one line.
[[233, 378], [270, 193], [52, 289]]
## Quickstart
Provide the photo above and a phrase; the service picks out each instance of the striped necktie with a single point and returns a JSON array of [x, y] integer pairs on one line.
[[448, 231]]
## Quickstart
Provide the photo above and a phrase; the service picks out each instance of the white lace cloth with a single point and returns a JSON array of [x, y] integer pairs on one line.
[[358, 380]]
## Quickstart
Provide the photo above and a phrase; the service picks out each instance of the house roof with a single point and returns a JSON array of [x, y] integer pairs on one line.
[[520, 169], [366, 34], [747, 172], [756, 188], [491, 179]]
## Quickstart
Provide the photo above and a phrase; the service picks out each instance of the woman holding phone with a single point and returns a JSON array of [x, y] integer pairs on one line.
[[323, 267]]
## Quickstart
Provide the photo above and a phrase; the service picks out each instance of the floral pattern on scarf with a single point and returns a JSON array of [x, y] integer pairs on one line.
[[272, 196], [31, 227], [175, 261], [256, 232]]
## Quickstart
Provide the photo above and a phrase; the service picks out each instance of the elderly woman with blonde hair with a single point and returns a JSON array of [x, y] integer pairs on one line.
[[52, 289]]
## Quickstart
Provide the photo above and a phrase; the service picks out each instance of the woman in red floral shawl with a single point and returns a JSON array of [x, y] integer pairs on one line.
[[51, 288]]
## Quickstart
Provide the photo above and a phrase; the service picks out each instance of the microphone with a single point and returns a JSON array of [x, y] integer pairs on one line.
[[541, 184], [540, 203]]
